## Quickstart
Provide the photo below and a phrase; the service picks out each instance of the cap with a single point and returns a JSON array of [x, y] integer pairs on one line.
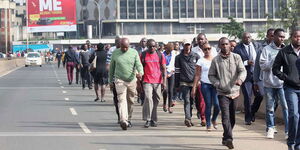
[[185, 42]]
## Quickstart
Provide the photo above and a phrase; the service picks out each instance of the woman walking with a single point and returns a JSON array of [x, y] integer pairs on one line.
[[207, 89], [99, 71]]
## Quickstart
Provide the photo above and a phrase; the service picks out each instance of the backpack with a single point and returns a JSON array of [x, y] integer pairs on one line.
[[143, 56]]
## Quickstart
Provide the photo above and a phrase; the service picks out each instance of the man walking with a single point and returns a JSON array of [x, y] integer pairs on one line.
[[154, 80], [272, 85], [258, 88], [123, 66], [287, 58], [247, 49], [58, 57], [185, 64], [227, 74], [85, 66]]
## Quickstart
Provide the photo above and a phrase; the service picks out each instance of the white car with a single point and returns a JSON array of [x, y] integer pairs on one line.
[[33, 59]]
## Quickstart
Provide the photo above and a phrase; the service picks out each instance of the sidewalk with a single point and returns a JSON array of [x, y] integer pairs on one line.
[[177, 136]]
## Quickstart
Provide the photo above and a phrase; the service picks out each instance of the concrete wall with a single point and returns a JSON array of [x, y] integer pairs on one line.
[[7, 65]]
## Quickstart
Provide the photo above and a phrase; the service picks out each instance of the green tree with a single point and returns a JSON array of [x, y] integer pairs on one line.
[[289, 14], [233, 29]]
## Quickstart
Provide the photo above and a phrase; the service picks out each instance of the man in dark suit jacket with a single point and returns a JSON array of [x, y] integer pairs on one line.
[[248, 49]]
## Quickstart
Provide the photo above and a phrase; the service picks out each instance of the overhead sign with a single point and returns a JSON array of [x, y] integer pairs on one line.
[[51, 15]]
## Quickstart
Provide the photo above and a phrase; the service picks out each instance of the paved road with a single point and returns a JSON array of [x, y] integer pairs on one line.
[[39, 111]]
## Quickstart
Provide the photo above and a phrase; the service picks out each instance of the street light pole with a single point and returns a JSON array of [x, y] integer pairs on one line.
[[99, 17]]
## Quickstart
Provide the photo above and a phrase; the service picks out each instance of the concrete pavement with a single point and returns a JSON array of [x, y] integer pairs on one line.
[[40, 111]]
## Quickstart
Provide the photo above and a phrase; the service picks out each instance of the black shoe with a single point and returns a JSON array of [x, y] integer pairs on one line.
[[153, 123], [192, 123], [147, 124], [223, 143], [90, 88], [97, 99], [187, 123], [123, 125], [248, 123], [291, 148], [229, 144], [70, 83], [253, 118], [129, 124]]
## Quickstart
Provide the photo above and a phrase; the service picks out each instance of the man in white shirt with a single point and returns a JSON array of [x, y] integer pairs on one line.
[[201, 40]]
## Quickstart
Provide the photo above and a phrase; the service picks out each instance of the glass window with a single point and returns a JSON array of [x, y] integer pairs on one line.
[[240, 9], [200, 9], [158, 9], [158, 28], [109, 29], [208, 9], [183, 28], [248, 8], [225, 9], [133, 28], [175, 9], [278, 5], [131, 9], [190, 8], [232, 8], [123, 9], [210, 28], [255, 8], [217, 8], [262, 9], [150, 14], [270, 8], [183, 9], [253, 27], [140, 9], [166, 9]]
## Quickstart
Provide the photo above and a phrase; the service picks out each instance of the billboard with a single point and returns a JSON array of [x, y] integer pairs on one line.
[[51, 15]]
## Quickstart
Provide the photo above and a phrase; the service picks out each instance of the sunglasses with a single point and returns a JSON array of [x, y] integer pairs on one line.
[[206, 49]]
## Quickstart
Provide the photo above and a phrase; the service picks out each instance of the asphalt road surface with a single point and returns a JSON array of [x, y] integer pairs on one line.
[[40, 111]]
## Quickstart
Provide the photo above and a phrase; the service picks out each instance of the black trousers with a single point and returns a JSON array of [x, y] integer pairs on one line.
[[85, 76], [116, 101], [77, 74], [168, 94], [58, 62], [227, 106]]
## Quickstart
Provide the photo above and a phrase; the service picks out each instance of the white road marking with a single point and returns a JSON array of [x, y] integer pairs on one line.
[[10, 71], [60, 83], [67, 99], [73, 111], [64, 92], [84, 128], [62, 87], [58, 80]]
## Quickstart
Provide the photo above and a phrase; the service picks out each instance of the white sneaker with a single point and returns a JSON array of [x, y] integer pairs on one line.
[[275, 130], [270, 133]]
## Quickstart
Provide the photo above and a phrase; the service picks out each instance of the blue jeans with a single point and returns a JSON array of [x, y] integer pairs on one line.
[[271, 94], [210, 97], [188, 101], [292, 97]]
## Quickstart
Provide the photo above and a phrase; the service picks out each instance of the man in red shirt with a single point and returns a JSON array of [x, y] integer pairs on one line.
[[153, 81]]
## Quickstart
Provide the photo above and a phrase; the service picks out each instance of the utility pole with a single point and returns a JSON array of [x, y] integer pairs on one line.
[[99, 17]]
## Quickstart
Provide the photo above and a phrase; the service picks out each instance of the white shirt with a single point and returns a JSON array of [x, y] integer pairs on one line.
[[205, 65], [199, 51], [252, 51], [297, 51]]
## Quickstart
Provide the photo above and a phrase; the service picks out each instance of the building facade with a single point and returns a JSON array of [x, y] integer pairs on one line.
[[176, 19]]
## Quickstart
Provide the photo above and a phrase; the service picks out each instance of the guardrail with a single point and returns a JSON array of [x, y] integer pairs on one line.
[[10, 64]]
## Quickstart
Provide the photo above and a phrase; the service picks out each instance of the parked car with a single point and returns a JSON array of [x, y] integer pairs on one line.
[[33, 59]]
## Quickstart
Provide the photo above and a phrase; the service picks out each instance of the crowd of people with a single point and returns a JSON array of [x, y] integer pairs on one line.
[[205, 77]]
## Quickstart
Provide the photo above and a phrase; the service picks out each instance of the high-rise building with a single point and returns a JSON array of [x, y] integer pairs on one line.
[[174, 19]]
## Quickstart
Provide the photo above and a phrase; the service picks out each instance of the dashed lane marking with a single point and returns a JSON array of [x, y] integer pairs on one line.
[[64, 92], [84, 128], [73, 111], [67, 99]]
